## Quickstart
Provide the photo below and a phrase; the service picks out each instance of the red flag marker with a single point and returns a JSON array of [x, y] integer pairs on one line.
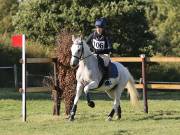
[[16, 41]]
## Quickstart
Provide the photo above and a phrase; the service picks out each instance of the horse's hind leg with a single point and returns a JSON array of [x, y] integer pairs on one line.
[[119, 112], [116, 107], [111, 114], [118, 91]]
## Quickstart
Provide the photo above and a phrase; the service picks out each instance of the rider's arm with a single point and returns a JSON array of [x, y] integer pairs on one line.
[[109, 43], [109, 46], [89, 41]]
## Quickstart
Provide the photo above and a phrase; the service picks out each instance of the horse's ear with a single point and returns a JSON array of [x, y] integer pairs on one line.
[[73, 38], [81, 37]]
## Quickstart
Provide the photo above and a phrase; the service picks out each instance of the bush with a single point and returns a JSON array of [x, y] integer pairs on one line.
[[164, 72]]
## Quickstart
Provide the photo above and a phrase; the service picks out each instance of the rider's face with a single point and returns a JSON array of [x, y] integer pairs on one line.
[[99, 30]]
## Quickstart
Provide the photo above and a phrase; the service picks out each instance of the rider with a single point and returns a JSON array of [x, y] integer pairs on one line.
[[100, 44]]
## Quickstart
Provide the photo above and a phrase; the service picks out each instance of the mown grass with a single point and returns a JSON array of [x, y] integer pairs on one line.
[[163, 117]]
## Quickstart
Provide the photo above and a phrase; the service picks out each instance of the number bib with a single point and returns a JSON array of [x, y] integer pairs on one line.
[[98, 44]]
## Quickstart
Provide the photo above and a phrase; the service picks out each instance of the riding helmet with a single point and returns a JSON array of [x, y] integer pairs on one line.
[[100, 23]]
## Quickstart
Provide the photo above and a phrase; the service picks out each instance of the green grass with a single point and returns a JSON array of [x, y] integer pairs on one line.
[[163, 117]]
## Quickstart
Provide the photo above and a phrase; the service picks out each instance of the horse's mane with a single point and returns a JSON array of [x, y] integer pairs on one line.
[[86, 47]]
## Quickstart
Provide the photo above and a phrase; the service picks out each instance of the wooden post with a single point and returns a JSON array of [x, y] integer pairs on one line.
[[143, 57], [27, 75], [15, 76], [56, 91], [55, 73]]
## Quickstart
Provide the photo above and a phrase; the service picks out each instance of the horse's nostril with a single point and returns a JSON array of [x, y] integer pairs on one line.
[[73, 65]]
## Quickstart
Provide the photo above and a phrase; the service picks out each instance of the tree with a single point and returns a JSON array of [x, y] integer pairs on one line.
[[7, 9], [42, 20], [164, 18]]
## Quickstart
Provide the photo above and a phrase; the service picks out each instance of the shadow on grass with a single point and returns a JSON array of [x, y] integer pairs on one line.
[[122, 132], [9, 93], [162, 115]]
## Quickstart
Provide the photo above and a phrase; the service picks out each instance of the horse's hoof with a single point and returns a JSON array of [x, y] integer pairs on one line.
[[118, 118], [67, 117], [71, 118], [109, 119], [91, 104]]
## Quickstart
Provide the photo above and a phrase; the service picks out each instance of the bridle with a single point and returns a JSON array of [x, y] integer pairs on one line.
[[82, 52]]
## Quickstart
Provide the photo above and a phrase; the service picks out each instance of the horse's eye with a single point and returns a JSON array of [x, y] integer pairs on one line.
[[79, 50], [81, 43]]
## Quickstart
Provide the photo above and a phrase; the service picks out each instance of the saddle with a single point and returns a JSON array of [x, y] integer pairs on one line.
[[108, 72]]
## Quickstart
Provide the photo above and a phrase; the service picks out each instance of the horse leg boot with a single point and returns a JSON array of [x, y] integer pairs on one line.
[[73, 112], [90, 103], [91, 85], [111, 114], [119, 112], [117, 107]]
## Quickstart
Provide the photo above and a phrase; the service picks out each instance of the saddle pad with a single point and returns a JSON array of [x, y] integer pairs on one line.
[[113, 72]]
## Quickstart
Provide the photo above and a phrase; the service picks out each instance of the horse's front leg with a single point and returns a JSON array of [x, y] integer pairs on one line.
[[91, 85], [79, 89]]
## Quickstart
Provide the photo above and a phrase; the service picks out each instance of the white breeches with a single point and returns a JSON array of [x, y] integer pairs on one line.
[[106, 59]]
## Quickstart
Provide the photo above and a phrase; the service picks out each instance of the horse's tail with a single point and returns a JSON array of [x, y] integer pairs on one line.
[[134, 96]]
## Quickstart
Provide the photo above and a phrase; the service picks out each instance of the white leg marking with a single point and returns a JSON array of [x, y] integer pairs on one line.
[[79, 89]]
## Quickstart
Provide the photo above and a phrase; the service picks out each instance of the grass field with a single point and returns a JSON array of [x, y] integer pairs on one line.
[[163, 117]]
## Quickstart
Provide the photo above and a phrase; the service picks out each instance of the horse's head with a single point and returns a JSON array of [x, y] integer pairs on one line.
[[76, 51]]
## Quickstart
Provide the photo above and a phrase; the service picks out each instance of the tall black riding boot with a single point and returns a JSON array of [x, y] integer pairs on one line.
[[106, 76]]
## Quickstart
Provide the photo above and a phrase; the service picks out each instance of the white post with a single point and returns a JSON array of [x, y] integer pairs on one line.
[[23, 79]]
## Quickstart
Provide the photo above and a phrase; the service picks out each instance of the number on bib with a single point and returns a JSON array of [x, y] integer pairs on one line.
[[98, 44]]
